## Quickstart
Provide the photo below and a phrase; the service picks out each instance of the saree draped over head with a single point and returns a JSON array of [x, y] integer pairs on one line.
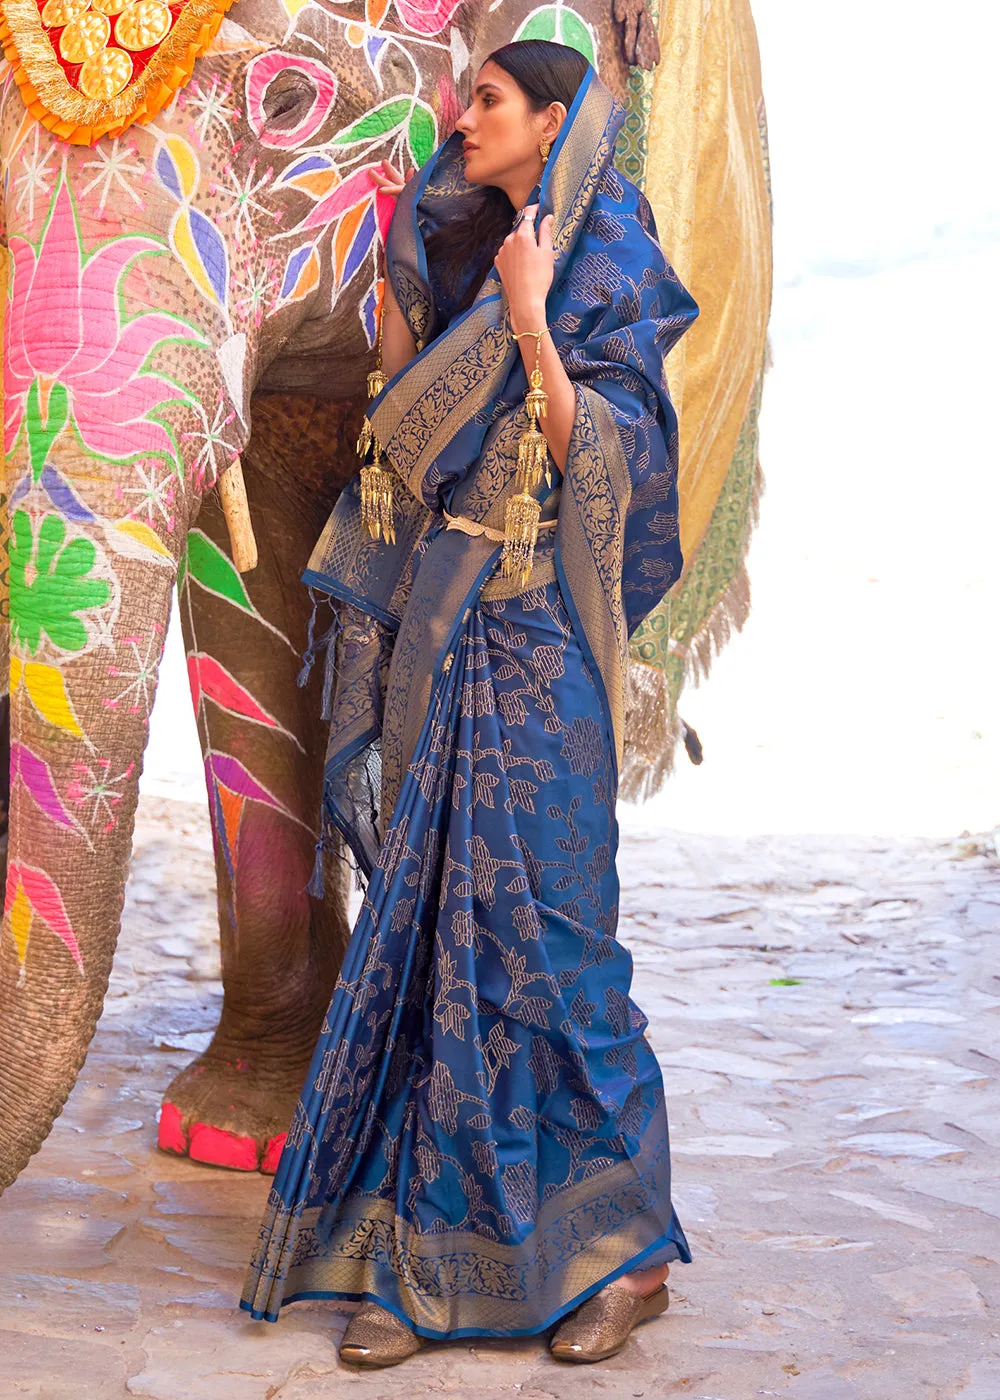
[[481, 1140]]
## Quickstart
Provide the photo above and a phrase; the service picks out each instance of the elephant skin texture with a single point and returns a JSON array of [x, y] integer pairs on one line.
[[216, 268]]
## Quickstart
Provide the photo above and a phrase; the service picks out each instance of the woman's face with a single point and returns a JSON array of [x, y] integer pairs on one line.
[[501, 132]]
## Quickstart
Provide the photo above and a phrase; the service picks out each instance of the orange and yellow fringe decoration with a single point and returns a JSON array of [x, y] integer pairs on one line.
[[90, 68]]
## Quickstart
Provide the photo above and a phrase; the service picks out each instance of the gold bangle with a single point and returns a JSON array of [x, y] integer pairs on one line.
[[516, 335]]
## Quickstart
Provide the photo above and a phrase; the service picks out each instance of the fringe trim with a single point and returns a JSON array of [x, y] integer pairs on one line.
[[330, 843], [67, 113], [326, 643], [733, 608], [653, 728]]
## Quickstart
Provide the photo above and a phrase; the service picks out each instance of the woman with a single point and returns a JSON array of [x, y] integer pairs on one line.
[[481, 1143]]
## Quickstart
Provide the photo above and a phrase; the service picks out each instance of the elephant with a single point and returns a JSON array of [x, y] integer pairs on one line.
[[192, 291]]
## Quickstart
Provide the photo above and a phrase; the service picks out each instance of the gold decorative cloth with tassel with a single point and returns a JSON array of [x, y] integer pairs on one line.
[[523, 510], [376, 476]]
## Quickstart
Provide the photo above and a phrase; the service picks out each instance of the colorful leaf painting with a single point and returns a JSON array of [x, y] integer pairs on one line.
[[385, 205], [352, 191], [177, 167], [301, 274], [210, 568], [137, 540], [315, 175], [59, 589], [65, 499], [45, 416], [36, 776], [228, 816], [47, 692], [561, 25], [205, 563], [30, 893], [352, 241], [426, 17], [421, 133], [201, 248], [230, 772], [380, 121], [370, 308], [209, 678]]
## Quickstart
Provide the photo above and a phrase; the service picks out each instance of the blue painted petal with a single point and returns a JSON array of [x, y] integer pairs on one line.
[[167, 171], [304, 166], [212, 251], [368, 316], [362, 242], [65, 499], [293, 267], [20, 491]]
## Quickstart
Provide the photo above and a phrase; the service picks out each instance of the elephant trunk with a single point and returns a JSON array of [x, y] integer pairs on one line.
[[109, 445], [77, 735]]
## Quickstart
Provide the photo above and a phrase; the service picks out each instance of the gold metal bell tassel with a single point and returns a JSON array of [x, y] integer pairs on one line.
[[520, 531], [523, 511], [376, 479], [376, 500]]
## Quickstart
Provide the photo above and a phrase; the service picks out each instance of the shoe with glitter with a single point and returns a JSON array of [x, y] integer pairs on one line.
[[600, 1327], [376, 1337]]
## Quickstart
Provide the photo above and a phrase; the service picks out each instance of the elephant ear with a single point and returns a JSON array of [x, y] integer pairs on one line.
[[102, 95]]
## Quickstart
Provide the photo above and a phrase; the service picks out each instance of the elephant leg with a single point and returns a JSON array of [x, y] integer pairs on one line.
[[264, 745]]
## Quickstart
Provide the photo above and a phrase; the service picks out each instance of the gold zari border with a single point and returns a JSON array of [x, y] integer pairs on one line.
[[81, 120]]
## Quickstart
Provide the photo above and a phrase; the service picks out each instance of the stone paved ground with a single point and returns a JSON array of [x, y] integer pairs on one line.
[[834, 1143]]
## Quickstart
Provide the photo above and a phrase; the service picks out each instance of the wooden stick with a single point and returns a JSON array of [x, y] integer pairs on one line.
[[233, 494]]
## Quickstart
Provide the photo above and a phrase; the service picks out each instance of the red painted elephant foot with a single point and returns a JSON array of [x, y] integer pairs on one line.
[[229, 1112]]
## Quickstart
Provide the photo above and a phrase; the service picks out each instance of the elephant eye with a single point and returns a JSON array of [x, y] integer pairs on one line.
[[289, 97]]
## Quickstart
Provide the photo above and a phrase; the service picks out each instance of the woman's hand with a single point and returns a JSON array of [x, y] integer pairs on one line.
[[389, 180], [525, 263]]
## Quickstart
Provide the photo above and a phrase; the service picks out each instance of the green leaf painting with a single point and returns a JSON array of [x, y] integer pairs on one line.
[[387, 117], [49, 584], [560, 25], [43, 430], [380, 120], [208, 566], [421, 134]]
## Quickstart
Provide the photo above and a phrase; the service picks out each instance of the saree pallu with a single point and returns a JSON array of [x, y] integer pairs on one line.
[[481, 1141]]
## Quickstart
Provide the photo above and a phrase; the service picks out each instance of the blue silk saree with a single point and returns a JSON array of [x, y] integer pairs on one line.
[[481, 1141]]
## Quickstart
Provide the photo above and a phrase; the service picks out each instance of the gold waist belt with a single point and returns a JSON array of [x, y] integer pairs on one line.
[[473, 527]]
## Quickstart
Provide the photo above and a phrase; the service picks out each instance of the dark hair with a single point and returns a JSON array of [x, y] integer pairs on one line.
[[545, 72]]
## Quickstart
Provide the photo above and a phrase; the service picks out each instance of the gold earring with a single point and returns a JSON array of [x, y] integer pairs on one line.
[[543, 150]]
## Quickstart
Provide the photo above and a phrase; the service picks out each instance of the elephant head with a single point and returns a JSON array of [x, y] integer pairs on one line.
[[162, 278]]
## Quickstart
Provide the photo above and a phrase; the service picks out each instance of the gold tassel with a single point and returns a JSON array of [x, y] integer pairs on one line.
[[376, 479], [523, 511], [520, 530], [376, 501]]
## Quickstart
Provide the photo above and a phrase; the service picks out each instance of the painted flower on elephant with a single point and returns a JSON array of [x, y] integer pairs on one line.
[[71, 356], [426, 16], [60, 586], [32, 896]]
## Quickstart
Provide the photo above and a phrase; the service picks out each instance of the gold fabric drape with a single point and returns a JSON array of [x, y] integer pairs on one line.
[[706, 176]]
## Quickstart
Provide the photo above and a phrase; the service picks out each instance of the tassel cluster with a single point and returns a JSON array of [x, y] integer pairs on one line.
[[523, 510], [376, 477]]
